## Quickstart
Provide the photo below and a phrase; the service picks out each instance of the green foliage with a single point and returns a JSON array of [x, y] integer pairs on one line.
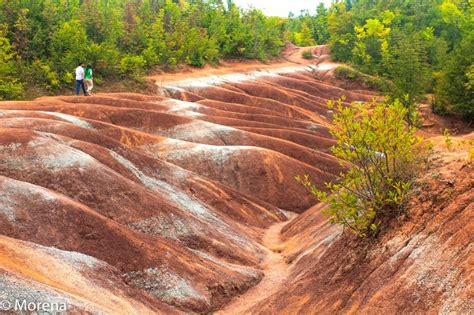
[[395, 55], [372, 82], [40, 74], [104, 58], [10, 88], [199, 49], [372, 46], [342, 72], [406, 66], [420, 47], [176, 40], [454, 88], [307, 54], [48, 38], [341, 30], [307, 29], [132, 65], [250, 34], [68, 48], [304, 37], [447, 139], [378, 149], [321, 24]]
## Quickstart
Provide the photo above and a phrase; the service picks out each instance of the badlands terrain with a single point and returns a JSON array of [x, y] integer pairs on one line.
[[186, 202]]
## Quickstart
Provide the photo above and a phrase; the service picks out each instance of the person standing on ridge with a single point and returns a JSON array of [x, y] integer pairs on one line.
[[80, 79], [88, 79]]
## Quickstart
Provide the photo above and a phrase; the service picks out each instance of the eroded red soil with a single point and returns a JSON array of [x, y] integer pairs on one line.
[[129, 203], [421, 264]]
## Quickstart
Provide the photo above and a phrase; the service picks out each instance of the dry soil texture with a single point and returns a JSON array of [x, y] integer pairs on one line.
[[135, 204]]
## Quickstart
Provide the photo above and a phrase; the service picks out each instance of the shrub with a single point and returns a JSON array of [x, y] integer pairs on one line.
[[378, 149], [199, 49], [10, 87], [10, 90], [470, 157], [447, 139], [69, 46], [304, 37], [307, 54], [105, 60], [133, 66], [342, 72], [41, 74]]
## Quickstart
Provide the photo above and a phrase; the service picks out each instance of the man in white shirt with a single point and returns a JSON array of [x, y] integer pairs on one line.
[[80, 79]]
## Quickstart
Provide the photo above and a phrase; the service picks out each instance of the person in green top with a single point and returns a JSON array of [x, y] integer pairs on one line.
[[88, 77]]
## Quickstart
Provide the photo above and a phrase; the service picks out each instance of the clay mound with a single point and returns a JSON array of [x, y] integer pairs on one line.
[[123, 231], [214, 134], [238, 108], [186, 107], [107, 114], [422, 264], [243, 167], [157, 202], [79, 282], [218, 93], [108, 173], [323, 90], [311, 129], [314, 142], [275, 93], [139, 259]]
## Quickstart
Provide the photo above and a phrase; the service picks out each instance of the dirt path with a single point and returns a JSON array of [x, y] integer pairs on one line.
[[290, 57], [275, 269]]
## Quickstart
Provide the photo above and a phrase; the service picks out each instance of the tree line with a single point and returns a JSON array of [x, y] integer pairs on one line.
[[41, 42], [420, 47]]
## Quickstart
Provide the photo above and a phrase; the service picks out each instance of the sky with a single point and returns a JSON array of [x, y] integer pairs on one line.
[[282, 7]]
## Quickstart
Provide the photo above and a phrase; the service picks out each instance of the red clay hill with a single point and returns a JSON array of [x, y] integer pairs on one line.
[[137, 204]]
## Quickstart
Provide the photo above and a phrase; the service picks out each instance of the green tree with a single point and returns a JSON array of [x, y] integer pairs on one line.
[[453, 82], [372, 46], [10, 88], [304, 37], [407, 67], [341, 29], [132, 65], [104, 58], [69, 46], [454, 89], [321, 24]]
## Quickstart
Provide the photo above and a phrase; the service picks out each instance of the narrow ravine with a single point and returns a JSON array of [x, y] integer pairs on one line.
[[276, 273]]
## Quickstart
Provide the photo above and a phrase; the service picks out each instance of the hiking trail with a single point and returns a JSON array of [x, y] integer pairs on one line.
[[276, 273]]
